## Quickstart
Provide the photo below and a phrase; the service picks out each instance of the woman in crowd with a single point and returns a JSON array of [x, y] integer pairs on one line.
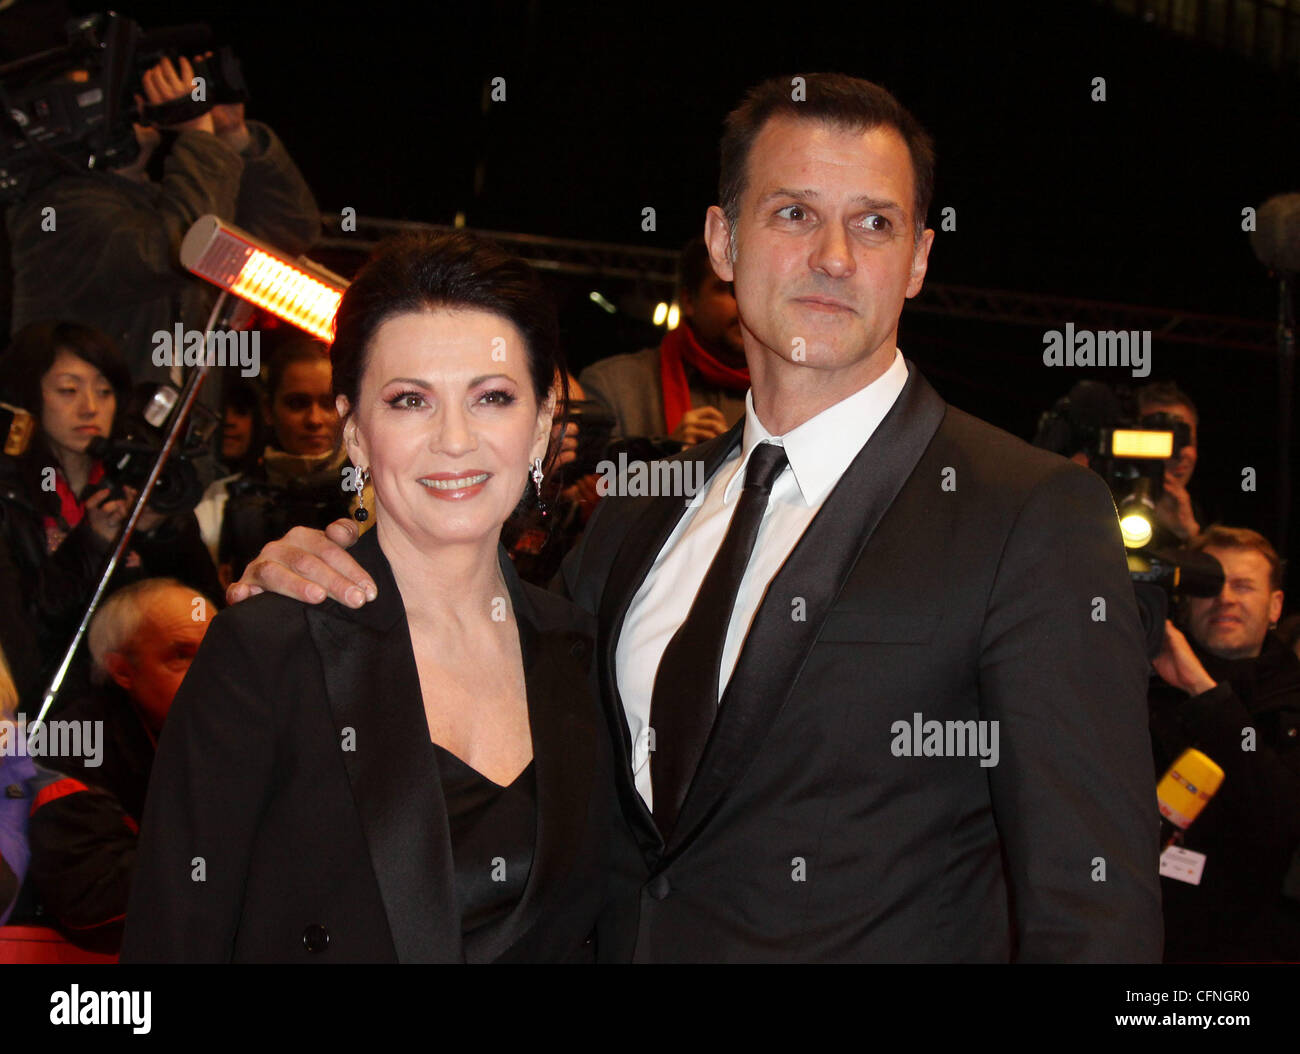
[[425, 778], [58, 515]]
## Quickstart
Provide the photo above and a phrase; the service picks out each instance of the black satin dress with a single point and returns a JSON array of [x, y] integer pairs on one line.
[[493, 833]]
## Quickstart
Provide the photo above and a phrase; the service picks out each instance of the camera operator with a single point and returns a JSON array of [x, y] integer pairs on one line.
[[298, 480], [111, 260], [56, 524], [1231, 689], [1178, 516]]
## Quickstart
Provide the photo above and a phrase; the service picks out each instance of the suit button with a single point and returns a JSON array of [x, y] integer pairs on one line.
[[659, 887], [578, 650], [315, 938]]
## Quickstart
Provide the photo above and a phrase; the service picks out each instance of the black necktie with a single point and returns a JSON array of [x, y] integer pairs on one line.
[[685, 698]]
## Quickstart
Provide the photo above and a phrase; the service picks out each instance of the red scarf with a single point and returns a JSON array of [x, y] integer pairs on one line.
[[680, 347], [71, 510]]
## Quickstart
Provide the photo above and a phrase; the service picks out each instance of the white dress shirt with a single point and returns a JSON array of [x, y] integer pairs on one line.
[[819, 451]]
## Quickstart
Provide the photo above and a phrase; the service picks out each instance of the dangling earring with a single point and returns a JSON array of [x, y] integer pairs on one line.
[[360, 513], [542, 507]]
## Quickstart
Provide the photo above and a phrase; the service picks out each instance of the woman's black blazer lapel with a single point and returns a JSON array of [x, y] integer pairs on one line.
[[557, 640], [374, 695], [373, 692]]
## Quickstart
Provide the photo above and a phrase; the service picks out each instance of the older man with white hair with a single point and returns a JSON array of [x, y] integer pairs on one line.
[[83, 827]]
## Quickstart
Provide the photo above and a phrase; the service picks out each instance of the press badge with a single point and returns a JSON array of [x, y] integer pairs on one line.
[[1182, 865]]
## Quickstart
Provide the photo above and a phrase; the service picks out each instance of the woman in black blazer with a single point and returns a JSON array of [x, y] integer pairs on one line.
[[424, 778]]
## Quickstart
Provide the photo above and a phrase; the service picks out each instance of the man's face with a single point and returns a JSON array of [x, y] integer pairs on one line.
[[825, 249], [155, 661], [711, 311], [1232, 625], [1181, 466]]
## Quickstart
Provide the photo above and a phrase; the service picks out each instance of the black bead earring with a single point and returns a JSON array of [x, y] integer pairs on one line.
[[360, 513]]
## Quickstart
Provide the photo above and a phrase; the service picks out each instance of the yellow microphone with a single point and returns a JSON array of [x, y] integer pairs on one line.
[[1184, 791]]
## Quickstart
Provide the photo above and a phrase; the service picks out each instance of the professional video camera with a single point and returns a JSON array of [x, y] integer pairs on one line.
[[70, 109], [129, 458], [1129, 451]]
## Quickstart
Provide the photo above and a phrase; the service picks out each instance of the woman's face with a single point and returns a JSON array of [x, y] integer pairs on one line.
[[77, 404], [236, 433], [302, 411], [448, 424]]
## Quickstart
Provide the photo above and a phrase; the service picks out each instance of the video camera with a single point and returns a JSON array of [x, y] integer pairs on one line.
[[1129, 451], [129, 458], [71, 109]]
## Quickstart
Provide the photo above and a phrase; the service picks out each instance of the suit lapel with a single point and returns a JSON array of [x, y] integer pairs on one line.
[[561, 719], [636, 556], [776, 647], [373, 692]]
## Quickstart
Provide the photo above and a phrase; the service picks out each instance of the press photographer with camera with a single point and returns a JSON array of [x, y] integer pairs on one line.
[[107, 253], [298, 479], [1178, 515], [1229, 687], [60, 511]]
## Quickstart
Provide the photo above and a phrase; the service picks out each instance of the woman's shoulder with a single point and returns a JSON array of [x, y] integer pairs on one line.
[[266, 623], [557, 613]]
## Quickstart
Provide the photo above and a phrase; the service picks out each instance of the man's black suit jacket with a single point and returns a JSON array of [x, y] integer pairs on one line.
[[954, 572], [295, 811]]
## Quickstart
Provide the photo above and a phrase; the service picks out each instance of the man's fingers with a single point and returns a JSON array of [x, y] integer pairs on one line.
[[342, 532], [307, 565], [237, 591]]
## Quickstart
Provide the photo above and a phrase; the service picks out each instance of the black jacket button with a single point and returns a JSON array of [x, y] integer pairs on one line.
[[659, 887], [315, 938]]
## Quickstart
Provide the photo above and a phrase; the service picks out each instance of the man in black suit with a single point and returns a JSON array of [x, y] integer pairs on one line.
[[877, 692]]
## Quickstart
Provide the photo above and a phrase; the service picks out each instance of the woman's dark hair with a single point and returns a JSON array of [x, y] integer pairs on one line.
[[299, 347], [244, 395], [33, 350], [425, 271], [28, 359]]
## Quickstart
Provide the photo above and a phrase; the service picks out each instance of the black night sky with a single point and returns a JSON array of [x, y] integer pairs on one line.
[[611, 108]]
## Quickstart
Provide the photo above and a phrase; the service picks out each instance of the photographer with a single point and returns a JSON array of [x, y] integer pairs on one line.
[[111, 259], [692, 387], [56, 524], [1232, 690], [298, 479], [1178, 515]]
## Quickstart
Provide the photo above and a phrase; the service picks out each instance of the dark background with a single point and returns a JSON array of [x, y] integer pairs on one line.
[[612, 108]]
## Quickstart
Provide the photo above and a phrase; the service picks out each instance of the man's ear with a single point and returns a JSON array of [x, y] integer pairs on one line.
[[717, 235], [120, 669], [1275, 607], [920, 262]]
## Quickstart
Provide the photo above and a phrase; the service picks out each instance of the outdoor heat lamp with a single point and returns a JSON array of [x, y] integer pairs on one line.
[[300, 292]]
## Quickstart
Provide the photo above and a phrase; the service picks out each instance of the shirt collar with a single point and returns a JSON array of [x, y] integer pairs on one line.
[[822, 447]]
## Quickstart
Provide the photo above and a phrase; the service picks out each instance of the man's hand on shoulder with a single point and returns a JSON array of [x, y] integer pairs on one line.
[[308, 565], [1178, 665]]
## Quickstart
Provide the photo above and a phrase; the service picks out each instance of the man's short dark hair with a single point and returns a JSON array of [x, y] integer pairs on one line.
[[847, 102], [694, 268], [1220, 537], [1165, 393]]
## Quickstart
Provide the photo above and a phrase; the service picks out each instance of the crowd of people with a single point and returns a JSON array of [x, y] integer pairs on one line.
[[526, 719]]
